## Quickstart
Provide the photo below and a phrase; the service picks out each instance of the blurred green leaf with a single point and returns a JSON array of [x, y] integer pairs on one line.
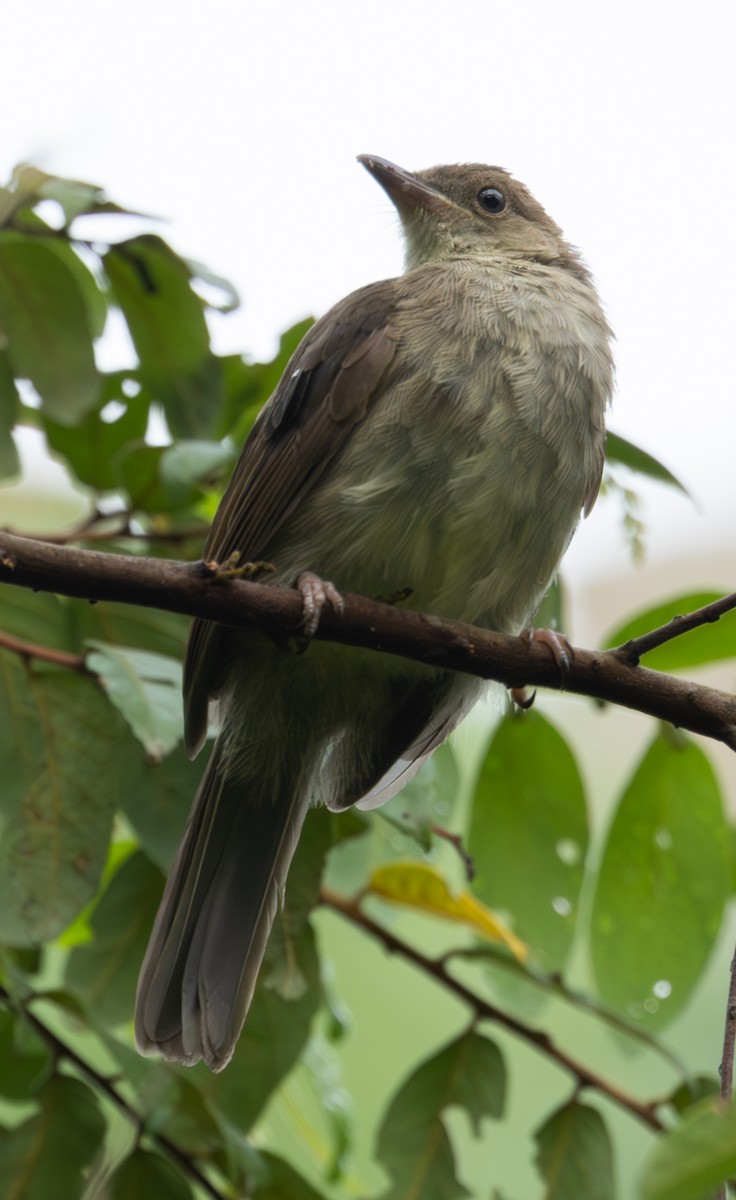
[[104, 971], [95, 299], [9, 409], [190, 464], [247, 386], [47, 1154], [662, 884], [552, 613], [619, 450], [708, 643], [37, 617], [412, 1143], [95, 446], [146, 689], [156, 797], [61, 746], [145, 1174], [574, 1155], [153, 287], [694, 1157], [230, 298], [281, 1181], [128, 625], [140, 474], [45, 317], [25, 1061], [692, 1091], [528, 833]]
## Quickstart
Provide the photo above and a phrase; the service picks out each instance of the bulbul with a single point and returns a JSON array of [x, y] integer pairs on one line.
[[439, 432]]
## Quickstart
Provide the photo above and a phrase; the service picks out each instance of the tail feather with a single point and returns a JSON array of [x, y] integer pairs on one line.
[[210, 934]]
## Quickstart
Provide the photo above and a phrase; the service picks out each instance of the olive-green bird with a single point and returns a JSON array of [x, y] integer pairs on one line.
[[439, 432]]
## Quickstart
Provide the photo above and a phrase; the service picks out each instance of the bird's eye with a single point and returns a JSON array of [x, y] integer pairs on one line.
[[491, 200]]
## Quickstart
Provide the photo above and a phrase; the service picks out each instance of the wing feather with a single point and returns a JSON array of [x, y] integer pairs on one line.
[[328, 387]]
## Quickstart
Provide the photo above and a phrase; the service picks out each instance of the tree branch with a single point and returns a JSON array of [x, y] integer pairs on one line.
[[196, 589], [28, 650], [483, 1010]]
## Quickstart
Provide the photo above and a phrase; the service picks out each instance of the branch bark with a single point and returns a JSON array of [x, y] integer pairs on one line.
[[196, 589]]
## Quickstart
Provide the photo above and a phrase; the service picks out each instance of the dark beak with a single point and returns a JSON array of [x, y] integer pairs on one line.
[[408, 192]]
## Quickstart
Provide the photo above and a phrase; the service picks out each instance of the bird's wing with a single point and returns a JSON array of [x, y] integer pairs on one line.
[[328, 386]]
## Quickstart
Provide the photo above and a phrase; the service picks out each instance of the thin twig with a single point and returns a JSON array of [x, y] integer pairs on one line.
[[633, 650], [28, 650], [483, 1010], [729, 1037], [554, 985], [105, 1085]]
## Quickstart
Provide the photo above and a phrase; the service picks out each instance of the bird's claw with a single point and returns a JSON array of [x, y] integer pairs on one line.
[[559, 646], [315, 593]]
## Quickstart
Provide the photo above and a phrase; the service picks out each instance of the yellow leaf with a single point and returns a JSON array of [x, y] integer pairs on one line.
[[419, 886]]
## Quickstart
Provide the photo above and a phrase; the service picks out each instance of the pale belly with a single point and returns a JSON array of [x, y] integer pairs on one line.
[[470, 534]]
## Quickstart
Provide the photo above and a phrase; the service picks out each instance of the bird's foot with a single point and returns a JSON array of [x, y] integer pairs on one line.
[[317, 592], [522, 698], [560, 647], [232, 568]]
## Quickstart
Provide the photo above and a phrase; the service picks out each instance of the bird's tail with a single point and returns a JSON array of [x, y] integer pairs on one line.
[[210, 933]]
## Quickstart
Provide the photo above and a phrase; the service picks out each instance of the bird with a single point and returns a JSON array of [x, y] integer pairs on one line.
[[438, 435]]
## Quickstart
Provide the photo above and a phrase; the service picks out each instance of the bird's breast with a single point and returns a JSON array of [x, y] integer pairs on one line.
[[466, 480]]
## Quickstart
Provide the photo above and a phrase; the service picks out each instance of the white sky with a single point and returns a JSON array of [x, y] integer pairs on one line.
[[240, 122]]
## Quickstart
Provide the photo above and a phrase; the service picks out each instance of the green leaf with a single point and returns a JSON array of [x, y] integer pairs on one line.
[[153, 287], [189, 465], [145, 1174], [140, 474], [247, 386], [528, 834], [230, 298], [44, 315], [94, 448], [9, 409], [619, 450], [36, 617], [695, 1157], [662, 884], [61, 748], [47, 1154], [126, 625], [551, 613], [94, 298], [156, 797], [25, 1061], [146, 689], [413, 1144], [708, 643], [282, 1181], [574, 1155], [104, 971]]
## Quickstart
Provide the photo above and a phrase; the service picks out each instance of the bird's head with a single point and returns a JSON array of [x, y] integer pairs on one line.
[[469, 210]]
